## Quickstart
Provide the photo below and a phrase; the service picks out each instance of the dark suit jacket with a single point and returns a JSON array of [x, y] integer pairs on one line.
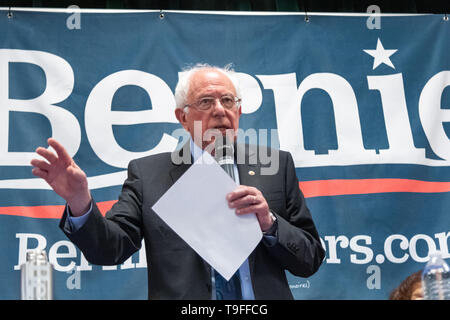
[[175, 271]]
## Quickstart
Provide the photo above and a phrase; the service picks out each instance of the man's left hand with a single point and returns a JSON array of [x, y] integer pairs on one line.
[[246, 200]]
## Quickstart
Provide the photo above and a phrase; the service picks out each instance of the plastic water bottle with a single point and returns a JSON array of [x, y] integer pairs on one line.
[[36, 277], [436, 278]]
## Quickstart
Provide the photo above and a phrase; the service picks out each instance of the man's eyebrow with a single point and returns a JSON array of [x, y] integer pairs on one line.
[[213, 96]]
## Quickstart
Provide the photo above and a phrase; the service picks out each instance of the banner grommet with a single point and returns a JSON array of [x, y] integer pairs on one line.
[[306, 16], [9, 14]]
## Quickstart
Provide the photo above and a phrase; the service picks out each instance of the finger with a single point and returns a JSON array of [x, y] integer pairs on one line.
[[240, 192], [60, 150], [47, 154], [256, 209], [244, 201], [41, 164], [40, 173]]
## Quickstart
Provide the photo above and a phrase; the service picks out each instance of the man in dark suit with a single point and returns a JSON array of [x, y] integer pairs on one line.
[[208, 98]]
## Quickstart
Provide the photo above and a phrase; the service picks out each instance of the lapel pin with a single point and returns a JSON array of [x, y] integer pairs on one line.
[[251, 172]]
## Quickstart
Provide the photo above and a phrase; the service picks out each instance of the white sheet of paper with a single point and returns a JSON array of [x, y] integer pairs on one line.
[[195, 207]]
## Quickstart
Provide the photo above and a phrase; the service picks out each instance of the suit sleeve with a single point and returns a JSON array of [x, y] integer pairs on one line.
[[112, 239], [298, 248]]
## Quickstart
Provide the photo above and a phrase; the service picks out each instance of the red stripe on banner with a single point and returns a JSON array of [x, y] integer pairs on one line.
[[48, 212], [320, 188], [310, 189]]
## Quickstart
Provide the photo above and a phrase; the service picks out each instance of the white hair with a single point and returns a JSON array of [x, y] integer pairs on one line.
[[182, 88]]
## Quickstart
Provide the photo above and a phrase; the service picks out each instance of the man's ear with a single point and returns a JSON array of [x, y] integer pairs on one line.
[[181, 116]]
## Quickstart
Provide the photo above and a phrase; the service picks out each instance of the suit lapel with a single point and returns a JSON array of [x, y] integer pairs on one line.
[[183, 160], [247, 164]]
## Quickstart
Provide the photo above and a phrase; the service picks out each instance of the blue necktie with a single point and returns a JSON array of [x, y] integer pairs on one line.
[[228, 290]]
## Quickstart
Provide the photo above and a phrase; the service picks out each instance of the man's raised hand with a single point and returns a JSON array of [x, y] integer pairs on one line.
[[64, 176]]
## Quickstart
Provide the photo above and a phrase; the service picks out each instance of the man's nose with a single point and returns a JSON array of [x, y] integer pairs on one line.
[[218, 108]]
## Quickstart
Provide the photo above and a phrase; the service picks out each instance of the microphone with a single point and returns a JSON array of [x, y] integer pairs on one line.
[[224, 155]]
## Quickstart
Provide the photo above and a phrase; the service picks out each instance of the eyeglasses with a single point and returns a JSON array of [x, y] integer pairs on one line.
[[206, 103]]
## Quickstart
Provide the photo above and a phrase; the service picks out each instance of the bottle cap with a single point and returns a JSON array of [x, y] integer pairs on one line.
[[36, 255]]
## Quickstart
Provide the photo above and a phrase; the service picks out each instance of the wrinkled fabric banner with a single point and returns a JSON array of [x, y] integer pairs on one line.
[[362, 103]]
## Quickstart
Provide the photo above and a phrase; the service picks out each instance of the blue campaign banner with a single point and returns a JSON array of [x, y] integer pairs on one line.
[[361, 102]]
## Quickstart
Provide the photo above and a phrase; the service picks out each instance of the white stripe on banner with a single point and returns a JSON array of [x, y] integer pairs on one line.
[[95, 182]]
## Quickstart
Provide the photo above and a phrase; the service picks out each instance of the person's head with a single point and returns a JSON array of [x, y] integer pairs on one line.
[[409, 289], [209, 98]]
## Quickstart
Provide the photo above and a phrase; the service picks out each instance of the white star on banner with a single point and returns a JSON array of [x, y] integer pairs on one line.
[[381, 55]]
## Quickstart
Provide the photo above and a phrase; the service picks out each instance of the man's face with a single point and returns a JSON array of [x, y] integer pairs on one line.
[[208, 83]]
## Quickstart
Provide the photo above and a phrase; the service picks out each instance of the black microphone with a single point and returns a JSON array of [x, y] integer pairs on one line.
[[224, 155]]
